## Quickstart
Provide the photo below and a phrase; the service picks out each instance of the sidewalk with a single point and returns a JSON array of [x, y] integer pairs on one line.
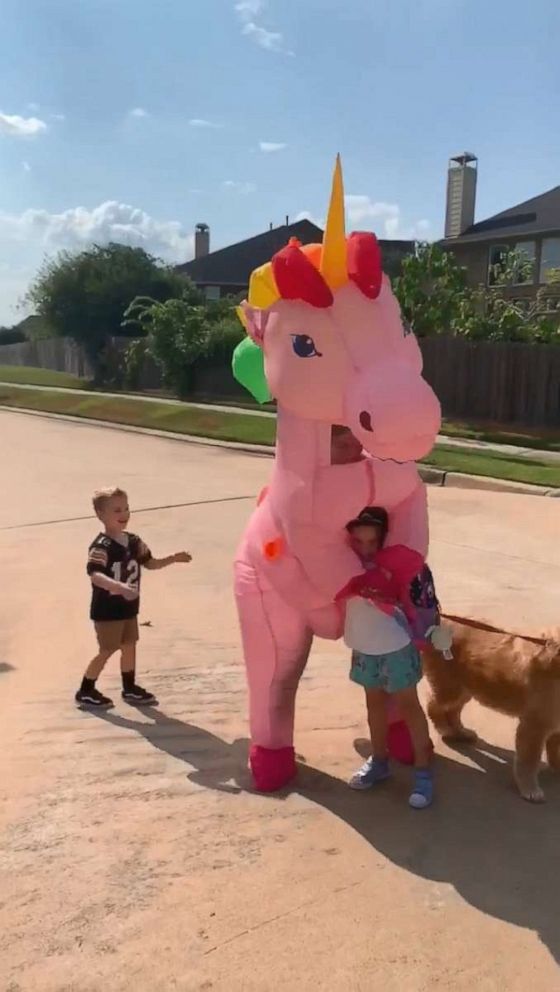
[[453, 442]]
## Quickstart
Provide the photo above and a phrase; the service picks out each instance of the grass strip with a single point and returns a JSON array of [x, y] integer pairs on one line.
[[40, 377], [244, 429], [545, 439]]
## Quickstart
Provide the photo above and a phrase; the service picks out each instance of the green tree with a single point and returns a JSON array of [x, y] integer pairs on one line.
[[431, 290], [435, 299], [84, 295], [491, 313], [180, 335], [176, 337]]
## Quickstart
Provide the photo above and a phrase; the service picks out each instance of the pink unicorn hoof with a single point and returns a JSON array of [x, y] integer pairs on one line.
[[272, 768]]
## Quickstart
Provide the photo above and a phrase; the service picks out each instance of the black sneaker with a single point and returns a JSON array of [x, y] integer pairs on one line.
[[93, 697], [139, 696]]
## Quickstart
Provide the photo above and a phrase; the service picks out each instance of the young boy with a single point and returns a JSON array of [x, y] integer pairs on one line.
[[114, 563]]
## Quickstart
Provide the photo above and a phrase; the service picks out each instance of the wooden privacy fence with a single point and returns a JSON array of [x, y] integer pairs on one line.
[[504, 382], [56, 354]]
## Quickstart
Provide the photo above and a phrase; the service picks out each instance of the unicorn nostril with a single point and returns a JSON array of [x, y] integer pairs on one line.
[[365, 421]]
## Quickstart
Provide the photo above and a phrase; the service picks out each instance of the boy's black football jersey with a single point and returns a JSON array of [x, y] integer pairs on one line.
[[122, 564]]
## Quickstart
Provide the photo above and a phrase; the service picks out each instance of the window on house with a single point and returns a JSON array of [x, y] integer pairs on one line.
[[550, 260], [212, 293], [496, 262], [521, 254]]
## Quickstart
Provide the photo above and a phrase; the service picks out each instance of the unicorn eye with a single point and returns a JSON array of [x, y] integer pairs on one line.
[[304, 346]]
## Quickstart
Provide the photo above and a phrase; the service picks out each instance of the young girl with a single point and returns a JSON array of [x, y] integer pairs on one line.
[[385, 661]]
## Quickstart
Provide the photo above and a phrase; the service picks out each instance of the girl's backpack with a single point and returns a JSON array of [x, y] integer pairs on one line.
[[427, 611]]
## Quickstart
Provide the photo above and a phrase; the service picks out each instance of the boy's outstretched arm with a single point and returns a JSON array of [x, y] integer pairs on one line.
[[180, 557]]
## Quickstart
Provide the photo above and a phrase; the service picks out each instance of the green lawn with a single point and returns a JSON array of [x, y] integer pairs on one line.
[[141, 413], [545, 439], [256, 430], [525, 437], [494, 464], [40, 377]]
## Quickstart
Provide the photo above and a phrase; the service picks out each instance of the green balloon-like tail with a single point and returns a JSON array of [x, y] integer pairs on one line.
[[248, 368]]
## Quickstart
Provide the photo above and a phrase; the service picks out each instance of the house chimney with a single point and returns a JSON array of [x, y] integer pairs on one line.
[[201, 240], [461, 194]]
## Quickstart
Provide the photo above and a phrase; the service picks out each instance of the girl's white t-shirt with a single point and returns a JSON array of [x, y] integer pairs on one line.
[[371, 631]]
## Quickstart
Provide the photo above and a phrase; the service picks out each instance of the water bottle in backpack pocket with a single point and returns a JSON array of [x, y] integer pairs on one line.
[[426, 623]]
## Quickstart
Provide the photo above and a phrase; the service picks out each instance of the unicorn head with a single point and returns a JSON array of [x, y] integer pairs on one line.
[[326, 340]]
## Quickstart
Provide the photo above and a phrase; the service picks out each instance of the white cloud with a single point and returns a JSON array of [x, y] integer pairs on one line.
[[249, 8], [361, 207], [34, 107], [58, 117], [14, 283], [138, 113], [272, 146], [307, 215], [248, 11], [239, 187], [272, 40], [383, 218], [21, 127], [202, 123], [110, 221], [26, 166], [25, 238]]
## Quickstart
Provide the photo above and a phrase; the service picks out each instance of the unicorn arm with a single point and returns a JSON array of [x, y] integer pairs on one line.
[[313, 526], [325, 557], [328, 563], [407, 503], [290, 579]]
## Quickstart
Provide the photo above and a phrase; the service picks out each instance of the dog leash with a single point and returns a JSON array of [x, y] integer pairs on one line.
[[479, 625]]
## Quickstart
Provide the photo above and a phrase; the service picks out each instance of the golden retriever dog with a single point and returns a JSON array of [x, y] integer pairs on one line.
[[506, 673]]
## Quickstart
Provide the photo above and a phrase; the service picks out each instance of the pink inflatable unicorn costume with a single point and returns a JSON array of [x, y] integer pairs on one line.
[[326, 339]]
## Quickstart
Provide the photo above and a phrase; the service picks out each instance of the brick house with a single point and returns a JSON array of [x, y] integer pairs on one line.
[[531, 227], [226, 272]]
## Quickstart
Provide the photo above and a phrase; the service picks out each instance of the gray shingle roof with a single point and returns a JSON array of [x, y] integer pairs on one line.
[[233, 265], [535, 216]]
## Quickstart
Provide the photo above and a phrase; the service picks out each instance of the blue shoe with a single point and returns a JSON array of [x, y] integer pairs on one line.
[[422, 794], [374, 770]]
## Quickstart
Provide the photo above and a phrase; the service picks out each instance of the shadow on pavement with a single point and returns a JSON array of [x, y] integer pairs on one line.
[[499, 853]]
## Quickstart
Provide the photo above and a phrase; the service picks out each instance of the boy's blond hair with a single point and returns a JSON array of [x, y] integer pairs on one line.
[[102, 496]]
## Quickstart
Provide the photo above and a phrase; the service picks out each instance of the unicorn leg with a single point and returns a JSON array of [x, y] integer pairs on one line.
[[276, 643], [399, 741]]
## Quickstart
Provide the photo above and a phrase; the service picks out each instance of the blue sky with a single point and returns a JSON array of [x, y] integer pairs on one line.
[[134, 119]]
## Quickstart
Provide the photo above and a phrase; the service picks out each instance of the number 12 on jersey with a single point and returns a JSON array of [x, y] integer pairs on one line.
[[131, 572]]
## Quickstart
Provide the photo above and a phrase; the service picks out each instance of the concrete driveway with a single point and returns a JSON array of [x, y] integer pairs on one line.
[[135, 856]]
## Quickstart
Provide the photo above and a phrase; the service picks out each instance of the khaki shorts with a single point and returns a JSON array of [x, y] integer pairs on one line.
[[114, 634]]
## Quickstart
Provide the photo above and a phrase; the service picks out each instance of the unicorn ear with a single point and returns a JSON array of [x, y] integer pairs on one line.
[[254, 321], [248, 369]]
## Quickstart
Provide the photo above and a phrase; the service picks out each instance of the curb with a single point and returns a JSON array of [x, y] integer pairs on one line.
[[431, 476]]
